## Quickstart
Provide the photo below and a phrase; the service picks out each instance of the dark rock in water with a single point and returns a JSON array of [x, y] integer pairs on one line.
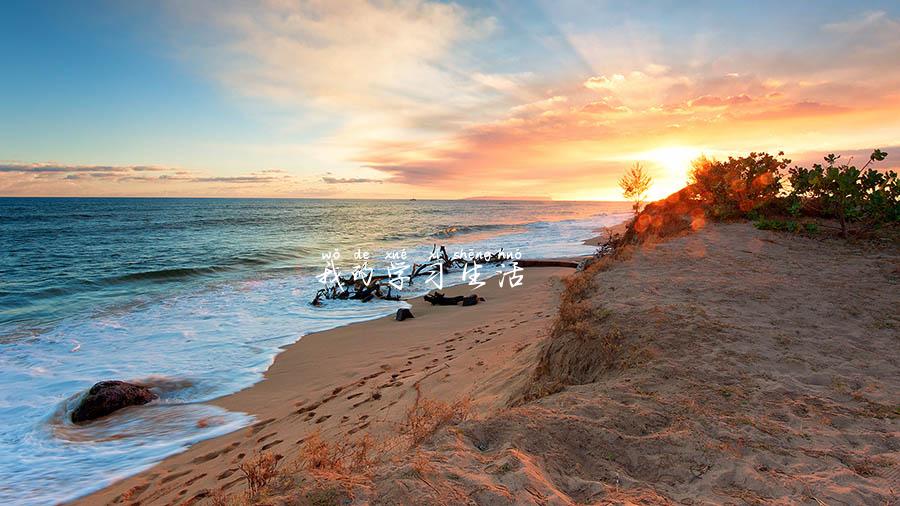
[[403, 314], [107, 396]]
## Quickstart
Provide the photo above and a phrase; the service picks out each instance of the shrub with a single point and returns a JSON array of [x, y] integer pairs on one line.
[[777, 225], [341, 461], [680, 212], [259, 470], [738, 186], [846, 193], [786, 226]]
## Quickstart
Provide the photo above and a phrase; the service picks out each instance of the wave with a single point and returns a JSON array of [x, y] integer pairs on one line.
[[448, 231], [451, 231], [170, 391], [164, 274], [180, 273]]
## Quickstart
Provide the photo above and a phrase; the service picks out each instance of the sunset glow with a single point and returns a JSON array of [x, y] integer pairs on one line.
[[412, 98]]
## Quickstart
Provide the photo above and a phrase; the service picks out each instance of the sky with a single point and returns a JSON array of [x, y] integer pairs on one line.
[[421, 99]]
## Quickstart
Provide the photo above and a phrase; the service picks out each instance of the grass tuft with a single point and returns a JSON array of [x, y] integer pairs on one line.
[[259, 471], [426, 416]]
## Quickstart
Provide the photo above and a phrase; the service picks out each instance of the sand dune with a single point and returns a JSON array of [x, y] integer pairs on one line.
[[771, 376]]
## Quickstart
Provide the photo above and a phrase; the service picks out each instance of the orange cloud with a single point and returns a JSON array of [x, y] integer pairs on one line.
[[714, 101]]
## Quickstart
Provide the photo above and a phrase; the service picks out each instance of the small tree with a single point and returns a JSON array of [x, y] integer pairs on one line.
[[635, 184]]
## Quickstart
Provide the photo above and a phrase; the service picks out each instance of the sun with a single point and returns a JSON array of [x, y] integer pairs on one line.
[[676, 160], [669, 167]]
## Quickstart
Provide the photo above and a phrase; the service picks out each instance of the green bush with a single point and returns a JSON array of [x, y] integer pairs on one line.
[[777, 225], [850, 195], [738, 187]]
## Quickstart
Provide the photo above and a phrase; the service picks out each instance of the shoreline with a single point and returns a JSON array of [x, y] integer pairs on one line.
[[359, 378]]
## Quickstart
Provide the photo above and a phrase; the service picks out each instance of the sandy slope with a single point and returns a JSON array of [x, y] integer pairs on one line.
[[772, 376], [361, 378]]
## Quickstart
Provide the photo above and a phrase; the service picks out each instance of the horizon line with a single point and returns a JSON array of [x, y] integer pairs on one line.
[[470, 199]]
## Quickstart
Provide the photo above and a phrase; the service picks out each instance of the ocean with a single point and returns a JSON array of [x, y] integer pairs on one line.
[[196, 297]]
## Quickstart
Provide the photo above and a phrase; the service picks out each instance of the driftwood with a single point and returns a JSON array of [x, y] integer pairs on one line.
[[439, 299], [548, 263], [607, 248], [350, 288]]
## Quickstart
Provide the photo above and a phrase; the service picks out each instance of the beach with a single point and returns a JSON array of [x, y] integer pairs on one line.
[[329, 382], [733, 380]]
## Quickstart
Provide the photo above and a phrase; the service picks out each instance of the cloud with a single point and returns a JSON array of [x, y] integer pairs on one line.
[[714, 101], [867, 21], [74, 179], [507, 83], [235, 179], [603, 107], [52, 168], [857, 157], [539, 106], [369, 70], [345, 180], [604, 83], [798, 110]]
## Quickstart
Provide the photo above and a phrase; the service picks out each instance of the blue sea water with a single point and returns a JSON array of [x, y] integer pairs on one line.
[[196, 296]]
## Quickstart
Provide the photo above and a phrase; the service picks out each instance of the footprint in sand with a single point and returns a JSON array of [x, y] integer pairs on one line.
[[174, 476], [194, 479], [206, 458], [258, 426], [225, 474], [308, 408], [267, 436], [273, 443], [354, 430], [132, 493]]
